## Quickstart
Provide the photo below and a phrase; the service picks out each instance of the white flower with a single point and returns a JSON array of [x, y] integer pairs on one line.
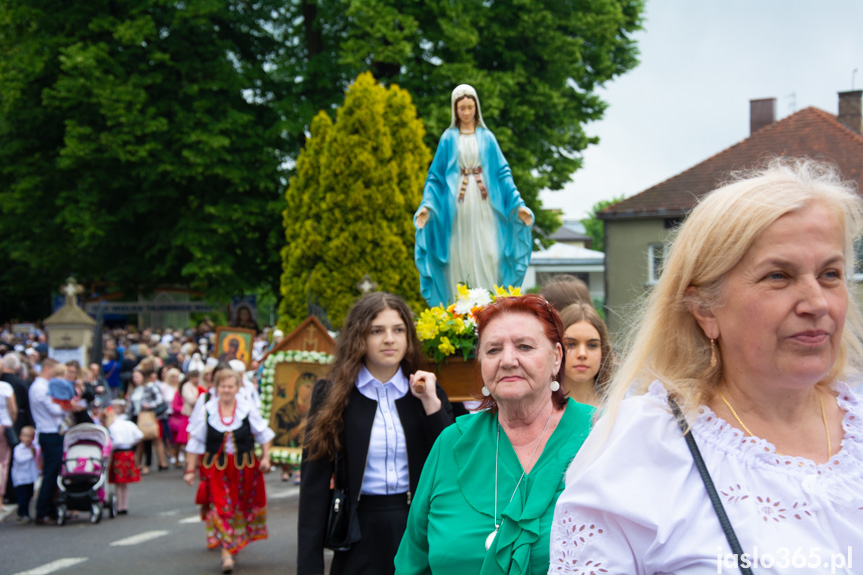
[[480, 297], [477, 297]]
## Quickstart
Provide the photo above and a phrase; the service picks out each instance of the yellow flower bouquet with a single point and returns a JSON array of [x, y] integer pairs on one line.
[[445, 331]]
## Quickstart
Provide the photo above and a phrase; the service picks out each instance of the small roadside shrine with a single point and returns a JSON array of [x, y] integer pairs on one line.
[[70, 329]]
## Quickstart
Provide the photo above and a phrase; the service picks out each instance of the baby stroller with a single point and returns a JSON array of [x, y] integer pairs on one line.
[[84, 473]]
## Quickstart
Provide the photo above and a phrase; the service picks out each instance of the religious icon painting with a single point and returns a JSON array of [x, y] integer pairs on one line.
[[234, 343]]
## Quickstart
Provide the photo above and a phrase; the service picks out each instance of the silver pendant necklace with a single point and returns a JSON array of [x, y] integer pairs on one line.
[[490, 539]]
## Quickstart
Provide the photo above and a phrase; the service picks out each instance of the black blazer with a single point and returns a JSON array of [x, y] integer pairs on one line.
[[421, 431]]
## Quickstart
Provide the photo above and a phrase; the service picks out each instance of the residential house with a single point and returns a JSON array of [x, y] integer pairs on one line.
[[569, 255], [637, 228]]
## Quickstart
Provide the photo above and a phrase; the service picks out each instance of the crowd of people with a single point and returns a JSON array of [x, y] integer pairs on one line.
[[723, 433], [152, 391]]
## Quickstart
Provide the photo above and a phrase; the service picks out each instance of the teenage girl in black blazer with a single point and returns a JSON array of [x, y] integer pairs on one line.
[[371, 413]]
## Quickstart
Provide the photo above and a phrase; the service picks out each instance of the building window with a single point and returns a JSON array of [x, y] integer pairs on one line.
[[655, 261]]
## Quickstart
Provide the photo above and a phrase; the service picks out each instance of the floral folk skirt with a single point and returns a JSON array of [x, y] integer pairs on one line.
[[123, 468], [236, 510]]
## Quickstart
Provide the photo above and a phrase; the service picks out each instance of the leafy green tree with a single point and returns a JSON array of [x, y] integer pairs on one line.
[[138, 146], [146, 142], [350, 204], [594, 227], [535, 64]]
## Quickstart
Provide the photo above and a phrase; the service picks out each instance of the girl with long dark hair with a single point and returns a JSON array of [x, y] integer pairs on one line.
[[376, 417]]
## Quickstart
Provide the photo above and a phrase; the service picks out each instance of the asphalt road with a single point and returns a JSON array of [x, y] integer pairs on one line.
[[161, 534]]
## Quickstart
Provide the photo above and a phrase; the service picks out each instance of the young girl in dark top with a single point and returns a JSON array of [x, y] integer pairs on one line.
[[378, 417]]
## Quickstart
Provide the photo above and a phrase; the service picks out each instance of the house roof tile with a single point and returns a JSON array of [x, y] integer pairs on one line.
[[810, 132]]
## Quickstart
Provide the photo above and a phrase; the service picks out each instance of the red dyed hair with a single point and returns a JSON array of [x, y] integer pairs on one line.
[[552, 327]]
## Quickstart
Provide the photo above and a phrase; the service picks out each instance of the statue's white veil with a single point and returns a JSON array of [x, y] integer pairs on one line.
[[465, 90]]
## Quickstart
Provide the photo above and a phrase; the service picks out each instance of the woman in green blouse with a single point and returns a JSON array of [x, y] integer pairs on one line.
[[486, 497]]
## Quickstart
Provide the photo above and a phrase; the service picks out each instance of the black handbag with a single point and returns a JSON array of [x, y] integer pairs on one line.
[[339, 521], [11, 436]]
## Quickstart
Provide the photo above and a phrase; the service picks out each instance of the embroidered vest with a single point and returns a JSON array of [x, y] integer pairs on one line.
[[244, 445]]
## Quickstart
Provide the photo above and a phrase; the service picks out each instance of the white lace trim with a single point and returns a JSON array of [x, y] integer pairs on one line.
[[576, 567], [569, 539], [756, 452]]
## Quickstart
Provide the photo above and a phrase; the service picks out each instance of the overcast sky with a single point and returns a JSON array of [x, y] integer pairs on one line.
[[701, 63]]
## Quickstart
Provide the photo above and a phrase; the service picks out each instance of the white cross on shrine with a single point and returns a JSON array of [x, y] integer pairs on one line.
[[367, 284], [71, 290]]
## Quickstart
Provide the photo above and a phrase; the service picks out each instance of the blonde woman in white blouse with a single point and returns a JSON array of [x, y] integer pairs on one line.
[[751, 329], [232, 492]]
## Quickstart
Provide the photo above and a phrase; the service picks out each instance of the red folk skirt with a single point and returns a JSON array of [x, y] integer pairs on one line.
[[234, 503], [123, 468]]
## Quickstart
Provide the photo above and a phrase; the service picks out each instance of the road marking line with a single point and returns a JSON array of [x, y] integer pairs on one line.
[[139, 538], [284, 494], [195, 519], [169, 513], [54, 566]]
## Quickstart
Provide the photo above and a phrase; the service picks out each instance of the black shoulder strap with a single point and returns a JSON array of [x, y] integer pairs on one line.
[[709, 486]]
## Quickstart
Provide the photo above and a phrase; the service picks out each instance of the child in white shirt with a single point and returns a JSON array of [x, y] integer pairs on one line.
[[25, 471], [125, 435]]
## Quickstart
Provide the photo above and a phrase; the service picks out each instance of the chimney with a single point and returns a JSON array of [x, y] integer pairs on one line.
[[850, 110], [761, 113]]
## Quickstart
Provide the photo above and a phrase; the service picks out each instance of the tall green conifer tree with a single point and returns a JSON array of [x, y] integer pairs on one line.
[[350, 205]]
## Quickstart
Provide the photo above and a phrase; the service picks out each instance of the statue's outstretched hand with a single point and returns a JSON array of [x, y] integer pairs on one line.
[[524, 216], [422, 218]]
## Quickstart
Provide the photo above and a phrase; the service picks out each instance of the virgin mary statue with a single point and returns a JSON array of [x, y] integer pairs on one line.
[[473, 227]]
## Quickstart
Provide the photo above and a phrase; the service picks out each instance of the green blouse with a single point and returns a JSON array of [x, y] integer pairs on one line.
[[452, 511]]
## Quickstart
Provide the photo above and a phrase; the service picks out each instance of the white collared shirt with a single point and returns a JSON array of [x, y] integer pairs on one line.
[[47, 415], [386, 470], [25, 469]]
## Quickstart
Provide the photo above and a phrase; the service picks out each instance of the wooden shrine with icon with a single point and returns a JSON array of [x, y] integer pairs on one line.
[[289, 373]]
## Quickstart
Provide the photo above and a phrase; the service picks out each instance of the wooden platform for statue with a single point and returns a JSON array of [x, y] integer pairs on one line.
[[460, 379]]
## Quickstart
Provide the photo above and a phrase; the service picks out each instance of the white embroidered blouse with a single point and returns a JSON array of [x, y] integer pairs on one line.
[[634, 502], [197, 427]]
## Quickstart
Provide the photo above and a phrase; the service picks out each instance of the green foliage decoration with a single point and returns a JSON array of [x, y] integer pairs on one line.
[[350, 205]]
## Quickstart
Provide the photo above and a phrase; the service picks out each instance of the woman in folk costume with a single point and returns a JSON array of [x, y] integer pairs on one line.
[[473, 226], [232, 488]]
